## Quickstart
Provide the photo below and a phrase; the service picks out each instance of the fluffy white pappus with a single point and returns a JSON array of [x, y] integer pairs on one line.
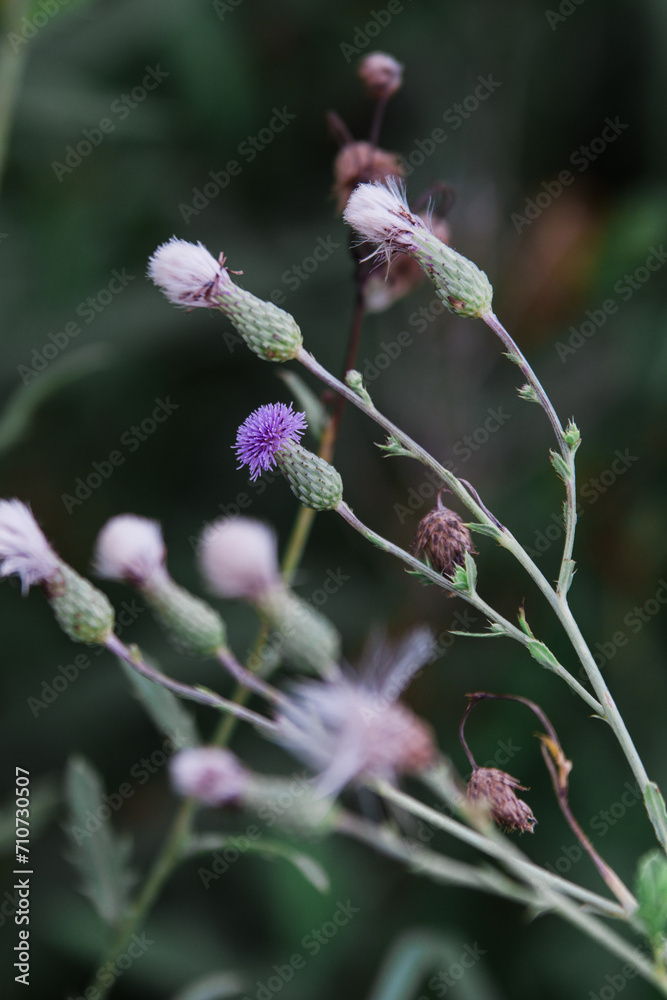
[[387, 668], [209, 774], [188, 274], [348, 733], [380, 213], [24, 549], [130, 548], [239, 558]]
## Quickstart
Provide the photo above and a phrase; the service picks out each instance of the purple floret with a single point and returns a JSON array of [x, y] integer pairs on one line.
[[264, 433]]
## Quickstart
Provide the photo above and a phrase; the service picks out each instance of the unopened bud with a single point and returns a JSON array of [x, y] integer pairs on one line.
[[381, 74]]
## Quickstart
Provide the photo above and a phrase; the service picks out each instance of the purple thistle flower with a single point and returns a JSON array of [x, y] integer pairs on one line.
[[264, 433]]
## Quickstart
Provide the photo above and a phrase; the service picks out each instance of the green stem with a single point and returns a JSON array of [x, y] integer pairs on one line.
[[540, 881], [567, 452], [169, 857], [427, 862], [470, 596], [604, 705]]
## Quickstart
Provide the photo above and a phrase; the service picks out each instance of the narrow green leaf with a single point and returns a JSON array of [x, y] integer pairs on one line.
[[572, 435], [316, 415], [393, 448], [652, 893], [543, 654], [415, 955], [215, 986], [311, 869], [164, 708], [485, 529], [21, 407], [100, 856], [559, 465], [493, 633], [471, 572], [525, 627], [657, 813]]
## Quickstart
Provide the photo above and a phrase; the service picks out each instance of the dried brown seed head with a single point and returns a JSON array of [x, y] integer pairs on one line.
[[358, 163], [444, 539], [494, 789]]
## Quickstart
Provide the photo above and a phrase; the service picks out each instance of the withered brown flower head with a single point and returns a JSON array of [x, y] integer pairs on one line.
[[444, 538], [494, 788], [361, 162]]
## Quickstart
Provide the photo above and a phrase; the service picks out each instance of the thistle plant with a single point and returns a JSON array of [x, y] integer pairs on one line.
[[350, 728]]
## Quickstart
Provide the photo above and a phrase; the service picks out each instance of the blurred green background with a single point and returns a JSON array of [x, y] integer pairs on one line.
[[225, 68]]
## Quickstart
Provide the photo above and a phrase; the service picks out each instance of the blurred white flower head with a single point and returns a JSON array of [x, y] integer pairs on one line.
[[209, 774], [353, 728], [239, 558], [130, 548], [24, 549]]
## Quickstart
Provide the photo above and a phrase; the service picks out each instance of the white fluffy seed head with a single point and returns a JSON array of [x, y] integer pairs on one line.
[[209, 774], [239, 558], [130, 548], [23, 548], [188, 274], [380, 213]]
